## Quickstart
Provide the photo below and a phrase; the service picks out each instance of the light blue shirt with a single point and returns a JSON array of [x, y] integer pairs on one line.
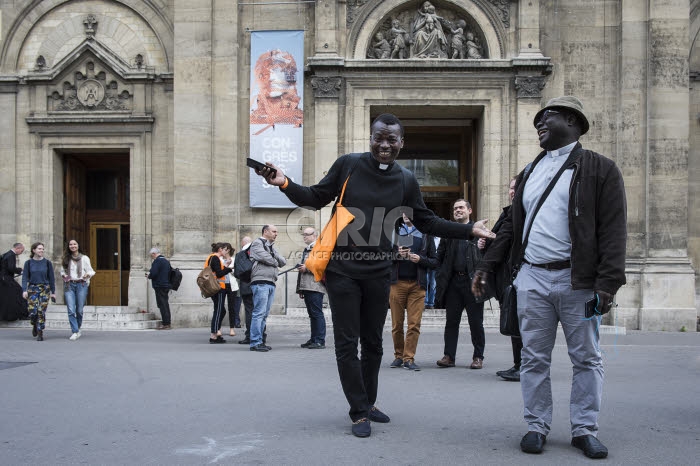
[[550, 240]]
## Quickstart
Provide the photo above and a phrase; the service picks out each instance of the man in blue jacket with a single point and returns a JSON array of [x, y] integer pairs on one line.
[[160, 281]]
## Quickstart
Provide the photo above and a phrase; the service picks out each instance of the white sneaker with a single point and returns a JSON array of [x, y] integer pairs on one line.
[[79, 334], [74, 337]]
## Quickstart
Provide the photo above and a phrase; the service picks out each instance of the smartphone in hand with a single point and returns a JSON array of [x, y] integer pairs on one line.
[[255, 165], [590, 307]]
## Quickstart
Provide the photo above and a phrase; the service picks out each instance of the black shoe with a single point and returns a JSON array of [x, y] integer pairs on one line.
[[245, 341], [34, 330], [237, 326], [361, 428], [512, 374], [398, 362], [215, 341], [41, 337], [590, 445], [306, 345], [268, 347], [315, 345], [260, 348], [533, 442], [377, 416], [411, 366]]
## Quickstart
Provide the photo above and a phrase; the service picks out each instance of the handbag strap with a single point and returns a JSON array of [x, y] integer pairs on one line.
[[342, 192], [543, 198]]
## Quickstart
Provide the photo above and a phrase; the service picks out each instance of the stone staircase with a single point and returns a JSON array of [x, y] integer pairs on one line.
[[95, 318]]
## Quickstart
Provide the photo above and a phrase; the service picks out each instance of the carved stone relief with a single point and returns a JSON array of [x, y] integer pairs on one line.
[[90, 23], [89, 91], [503, 7], [529, 86], [353, 10], [326, 86], [427, 33]]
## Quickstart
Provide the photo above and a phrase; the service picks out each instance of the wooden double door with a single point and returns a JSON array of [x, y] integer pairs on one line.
[[97, 216]]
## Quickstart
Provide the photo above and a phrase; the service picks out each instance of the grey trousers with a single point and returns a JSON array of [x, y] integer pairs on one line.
[[544, 299]]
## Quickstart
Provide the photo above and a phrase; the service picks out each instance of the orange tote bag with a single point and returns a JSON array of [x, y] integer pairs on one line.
[[321, 253]]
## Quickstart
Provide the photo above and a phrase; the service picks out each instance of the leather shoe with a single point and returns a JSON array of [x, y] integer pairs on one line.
[[260, 348], [446, 361], [245, 341], [590, 445], [512, 374], [377, 416], [361, 428], [533, 442], [477, 363]]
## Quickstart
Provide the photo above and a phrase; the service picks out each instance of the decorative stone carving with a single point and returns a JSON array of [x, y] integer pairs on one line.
[[503, 7], [529, 86], [427, 34], [138, 61], [326, 86], [90, 23], [353, 10], [40, 63], [89, 91]]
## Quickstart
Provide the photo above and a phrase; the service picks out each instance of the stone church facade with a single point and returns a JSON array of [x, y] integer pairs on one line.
[[124, 123]]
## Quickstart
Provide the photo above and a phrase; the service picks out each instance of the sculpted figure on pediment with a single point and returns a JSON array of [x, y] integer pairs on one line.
[[427, 34]]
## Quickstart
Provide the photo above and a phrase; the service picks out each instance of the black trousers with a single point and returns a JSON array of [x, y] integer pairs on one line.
[[358, 309], [248, 307], [517, 344], [163, 304], [458, 297]]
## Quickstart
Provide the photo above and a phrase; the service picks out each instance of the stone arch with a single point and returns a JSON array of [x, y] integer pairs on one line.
[[371, 18], [68, 35]]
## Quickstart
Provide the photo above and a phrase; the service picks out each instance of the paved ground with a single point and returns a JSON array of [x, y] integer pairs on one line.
[[171, 398]]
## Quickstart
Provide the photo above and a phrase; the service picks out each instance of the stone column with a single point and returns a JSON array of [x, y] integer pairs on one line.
[[667, 281], [528, 96], [193, 120]]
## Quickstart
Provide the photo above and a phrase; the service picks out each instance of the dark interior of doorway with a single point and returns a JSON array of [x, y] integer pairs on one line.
[[97, 192]]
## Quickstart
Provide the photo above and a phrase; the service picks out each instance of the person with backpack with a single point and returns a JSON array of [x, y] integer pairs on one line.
[[38, 285], [160, 281], [215, 261]]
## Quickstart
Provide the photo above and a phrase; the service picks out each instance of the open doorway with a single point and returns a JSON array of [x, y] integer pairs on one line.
[[440, 149], [96, 214]]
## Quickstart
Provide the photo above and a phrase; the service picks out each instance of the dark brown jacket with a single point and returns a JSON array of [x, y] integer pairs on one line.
[[597, 224]]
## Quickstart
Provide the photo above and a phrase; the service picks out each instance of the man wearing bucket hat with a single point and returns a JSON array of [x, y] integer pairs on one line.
[[569, 256]]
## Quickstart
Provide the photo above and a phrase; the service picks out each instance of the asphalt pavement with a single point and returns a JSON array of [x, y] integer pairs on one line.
[[169, 397]]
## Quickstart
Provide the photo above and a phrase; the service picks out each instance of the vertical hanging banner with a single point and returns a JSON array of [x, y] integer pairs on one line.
[[276, 110]]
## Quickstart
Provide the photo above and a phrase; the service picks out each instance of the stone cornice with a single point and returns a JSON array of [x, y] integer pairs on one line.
[[518, 65], [82, 123]]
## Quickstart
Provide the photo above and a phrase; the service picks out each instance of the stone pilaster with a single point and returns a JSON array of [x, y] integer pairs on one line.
[[528, 95], [8, 185], [193, 115], [326, 34], [668, 281], [529, 28]]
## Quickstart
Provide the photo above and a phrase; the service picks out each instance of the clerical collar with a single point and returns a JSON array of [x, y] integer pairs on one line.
[[380, 166], [566, 150]]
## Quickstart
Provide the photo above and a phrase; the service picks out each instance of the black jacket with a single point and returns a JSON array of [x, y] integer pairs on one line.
[[502, 277], [446, 253], [428, 260], [8, 265], [597, 224]]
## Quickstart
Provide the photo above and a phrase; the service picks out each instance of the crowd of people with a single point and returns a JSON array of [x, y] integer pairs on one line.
[[565, 204]]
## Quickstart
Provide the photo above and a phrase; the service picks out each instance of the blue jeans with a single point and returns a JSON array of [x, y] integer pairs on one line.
[[314, 306], [75, 295], [263, 295], [430, 292]]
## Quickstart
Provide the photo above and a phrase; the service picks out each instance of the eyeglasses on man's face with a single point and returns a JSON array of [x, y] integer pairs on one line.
[[548, 113]]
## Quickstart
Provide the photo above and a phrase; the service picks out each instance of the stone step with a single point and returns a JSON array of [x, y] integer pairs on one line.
[[95, 318], [102, 316], [88, 325]]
